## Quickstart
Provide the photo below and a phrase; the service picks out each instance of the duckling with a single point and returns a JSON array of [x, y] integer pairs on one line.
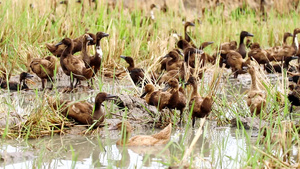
[[186, 35], [58, 50], [242, 48], [73, 65], [256, 99], [202, 105], [136, 74], [83, 112], [160, 138], [44, 68], [158, 98], [178, 99], [14, 86], [236, 62]]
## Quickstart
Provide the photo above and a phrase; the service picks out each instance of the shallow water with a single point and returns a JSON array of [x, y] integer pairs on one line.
[[218, 147]]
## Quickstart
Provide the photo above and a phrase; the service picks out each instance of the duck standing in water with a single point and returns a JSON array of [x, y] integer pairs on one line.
[[83, 112], [160, 138], [14, 86], [256, 99], [44, 68], [202, 106], [73, 66]]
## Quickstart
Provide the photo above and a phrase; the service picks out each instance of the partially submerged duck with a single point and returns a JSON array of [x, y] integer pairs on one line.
[[160, 138], [78, 44], [44, 68], [136, 74], [14, 86], [83, 112], [202, 106], [256, 99], [158, 98], [73, 66]]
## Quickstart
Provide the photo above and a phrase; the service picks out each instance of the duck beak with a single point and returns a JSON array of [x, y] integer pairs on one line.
[[198, 51], [167, 55], [105, 35], [29, 76], [89, 38], [111, 97], [143, 95], [191, 24], [210, 42], [290, 79], [166, 88], [123, 57], [185, 84], [59, 43], [294, 57], [250, 34]]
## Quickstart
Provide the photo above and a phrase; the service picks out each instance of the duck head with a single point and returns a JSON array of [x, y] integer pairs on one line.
[[245, 34], [101, 35], [102, 96], [255, 45], [287, 34], [149, 88], [172, 83], [191, 81], [128, 59], [182, 44], [65, 41], [187, 24], [296, 31], [25, 75], [88, 37], [205, 44]]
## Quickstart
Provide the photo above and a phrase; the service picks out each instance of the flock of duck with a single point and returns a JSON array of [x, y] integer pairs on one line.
[[179, 68]]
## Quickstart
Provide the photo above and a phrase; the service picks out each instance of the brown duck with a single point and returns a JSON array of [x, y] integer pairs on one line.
[[236, 62], [73, 66], [83, 112], [178, 99], [15, 86], [44, 68], [157, 98], [136, 74], [256, 99], [202, 106], [160, 138], [78, 44]]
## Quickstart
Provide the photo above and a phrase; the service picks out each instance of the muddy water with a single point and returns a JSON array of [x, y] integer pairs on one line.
[[220, 147], [216, 148]]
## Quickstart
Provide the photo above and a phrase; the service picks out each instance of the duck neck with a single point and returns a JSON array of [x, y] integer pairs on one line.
[[242, 40], [195, 91], [148, 95], [253, 79], [130, 67], [295, 42], [67, 51], [284, 39]]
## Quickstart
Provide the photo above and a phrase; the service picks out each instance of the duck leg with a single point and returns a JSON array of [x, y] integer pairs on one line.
[[51, 80], [77, 82], [71, 82], [193, 121], [43, 84]]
